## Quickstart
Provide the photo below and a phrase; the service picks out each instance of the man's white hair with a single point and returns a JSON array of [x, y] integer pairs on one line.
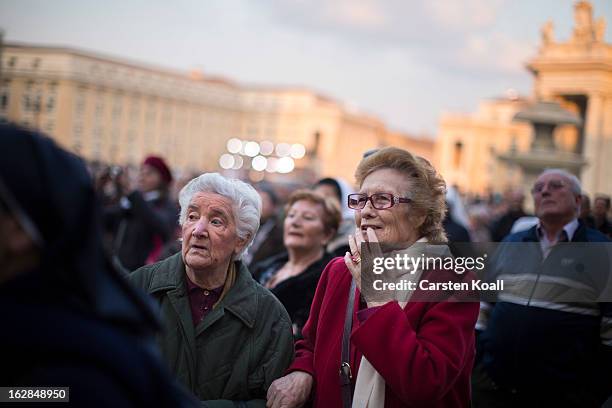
[[574, 182], [246, 202]]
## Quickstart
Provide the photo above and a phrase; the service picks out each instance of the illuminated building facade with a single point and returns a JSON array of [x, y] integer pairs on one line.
[[119, 111]]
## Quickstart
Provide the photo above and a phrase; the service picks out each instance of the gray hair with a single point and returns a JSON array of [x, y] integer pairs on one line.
[[246, 202], [574, 182]]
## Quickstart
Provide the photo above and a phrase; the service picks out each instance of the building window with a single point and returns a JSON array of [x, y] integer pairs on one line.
[[12, 62], [36, 63], [80, 106], [50, 103], [26, 100], [457, 154], [4, 100]]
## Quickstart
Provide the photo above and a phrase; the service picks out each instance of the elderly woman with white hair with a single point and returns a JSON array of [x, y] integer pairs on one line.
[[226, 337]]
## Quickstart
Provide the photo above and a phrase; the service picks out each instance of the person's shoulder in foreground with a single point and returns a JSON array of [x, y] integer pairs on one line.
[[70, 319]]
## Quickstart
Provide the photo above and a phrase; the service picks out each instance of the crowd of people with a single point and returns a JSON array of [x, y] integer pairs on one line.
[[205, 290]]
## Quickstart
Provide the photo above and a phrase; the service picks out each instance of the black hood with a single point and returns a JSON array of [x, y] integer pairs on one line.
[[55, 190]]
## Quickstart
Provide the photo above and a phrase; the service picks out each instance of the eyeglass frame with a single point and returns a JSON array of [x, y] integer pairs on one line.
[[553, 185], [394, 200]]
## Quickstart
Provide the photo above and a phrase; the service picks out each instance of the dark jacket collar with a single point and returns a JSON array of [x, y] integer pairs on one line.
[[240, 300]]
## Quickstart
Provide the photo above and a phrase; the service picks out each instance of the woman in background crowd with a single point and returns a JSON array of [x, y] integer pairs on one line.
[[145, 219], [310, 222]]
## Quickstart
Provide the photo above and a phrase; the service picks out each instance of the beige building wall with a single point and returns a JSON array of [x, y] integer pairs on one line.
[[335, 137], [115, 111], [119, 111], [468, 145], [421, 146]]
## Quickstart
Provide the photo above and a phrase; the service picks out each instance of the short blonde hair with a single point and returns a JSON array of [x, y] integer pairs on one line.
[[428, 187], [331, 212]]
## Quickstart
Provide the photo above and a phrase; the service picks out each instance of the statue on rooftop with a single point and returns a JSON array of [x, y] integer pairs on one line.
[[548, 35], [583, 22]]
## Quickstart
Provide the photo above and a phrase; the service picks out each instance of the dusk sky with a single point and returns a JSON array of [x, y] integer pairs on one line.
[[403, 61]]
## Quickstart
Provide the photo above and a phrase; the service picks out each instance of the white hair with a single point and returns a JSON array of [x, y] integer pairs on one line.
[[574, 182], [246, 202]]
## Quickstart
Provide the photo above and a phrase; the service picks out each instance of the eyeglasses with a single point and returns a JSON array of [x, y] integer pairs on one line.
[[379, 201], [553, 185]]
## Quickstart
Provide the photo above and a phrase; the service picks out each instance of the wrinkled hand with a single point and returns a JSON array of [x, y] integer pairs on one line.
[[355, 242], [292, 390]]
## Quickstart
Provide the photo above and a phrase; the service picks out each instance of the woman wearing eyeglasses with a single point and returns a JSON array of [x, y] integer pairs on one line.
[[383, 353]]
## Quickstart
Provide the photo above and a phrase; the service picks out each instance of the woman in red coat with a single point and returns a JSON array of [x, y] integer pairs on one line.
[[402, 354]]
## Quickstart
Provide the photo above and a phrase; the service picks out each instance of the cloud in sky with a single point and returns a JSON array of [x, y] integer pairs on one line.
[[405, 61], [443, 35], [465, 15]]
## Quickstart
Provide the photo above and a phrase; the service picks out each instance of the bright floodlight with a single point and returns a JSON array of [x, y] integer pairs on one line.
[[266, 148], [226, 161], [234, 145], [259, 163], [285, 165], [283, 149], [251, 149], [298, 151]]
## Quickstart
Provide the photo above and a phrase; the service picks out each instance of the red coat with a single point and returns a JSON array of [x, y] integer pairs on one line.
[[425, 352]]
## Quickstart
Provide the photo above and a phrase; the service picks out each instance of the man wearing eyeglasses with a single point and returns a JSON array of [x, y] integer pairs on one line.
[[547, 340]]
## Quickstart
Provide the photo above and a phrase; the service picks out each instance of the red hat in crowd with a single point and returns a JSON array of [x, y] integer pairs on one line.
[[160, 165]]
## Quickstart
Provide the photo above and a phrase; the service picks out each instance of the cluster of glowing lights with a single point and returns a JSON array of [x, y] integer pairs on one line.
[[261, 156]]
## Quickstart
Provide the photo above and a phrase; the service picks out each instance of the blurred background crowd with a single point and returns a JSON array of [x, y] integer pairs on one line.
[[470, 218]]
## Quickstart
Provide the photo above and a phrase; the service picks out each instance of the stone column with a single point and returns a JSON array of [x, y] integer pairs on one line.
[[593, 143]]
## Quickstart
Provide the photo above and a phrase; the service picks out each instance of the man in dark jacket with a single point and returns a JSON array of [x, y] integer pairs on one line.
[[69, 319], [547, 341]]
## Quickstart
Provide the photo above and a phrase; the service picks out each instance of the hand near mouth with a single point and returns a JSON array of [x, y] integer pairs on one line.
[[353, 260]]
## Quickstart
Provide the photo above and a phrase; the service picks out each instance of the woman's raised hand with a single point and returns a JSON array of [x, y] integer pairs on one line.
[[353, 259]]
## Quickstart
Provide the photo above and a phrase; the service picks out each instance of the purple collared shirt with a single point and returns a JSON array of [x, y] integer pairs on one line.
[[201, 300]]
